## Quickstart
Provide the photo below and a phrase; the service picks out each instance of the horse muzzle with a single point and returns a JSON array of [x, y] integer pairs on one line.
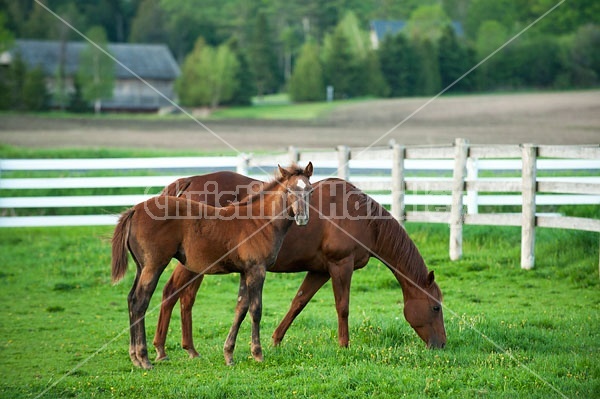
[[435, 344], [301, 220]]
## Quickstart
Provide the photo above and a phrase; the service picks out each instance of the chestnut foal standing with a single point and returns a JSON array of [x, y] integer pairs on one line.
[[241, 237]]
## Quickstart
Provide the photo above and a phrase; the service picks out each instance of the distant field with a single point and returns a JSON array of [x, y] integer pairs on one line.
[[543, 118], [306, 111], [511, 333]]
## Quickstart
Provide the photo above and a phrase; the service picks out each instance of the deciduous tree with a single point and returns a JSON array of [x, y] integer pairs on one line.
[[427, 23], [96, 71], [208, 76], [306, 83]]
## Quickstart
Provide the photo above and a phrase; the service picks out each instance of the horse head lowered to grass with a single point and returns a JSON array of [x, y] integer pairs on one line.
[[242, 237], [347, 227]]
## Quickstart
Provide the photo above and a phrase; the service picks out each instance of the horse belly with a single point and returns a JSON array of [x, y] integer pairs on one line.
[[199, 257]]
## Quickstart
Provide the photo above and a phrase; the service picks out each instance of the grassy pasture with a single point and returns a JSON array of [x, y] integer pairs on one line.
[[511, 333]]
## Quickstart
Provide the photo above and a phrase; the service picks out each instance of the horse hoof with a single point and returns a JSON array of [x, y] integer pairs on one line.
[[160, 358], [228, 359], [142, 362], [136, 362], [146, 365], [258, 356]]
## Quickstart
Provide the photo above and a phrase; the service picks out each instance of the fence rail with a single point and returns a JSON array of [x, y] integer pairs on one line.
[[442, 184]]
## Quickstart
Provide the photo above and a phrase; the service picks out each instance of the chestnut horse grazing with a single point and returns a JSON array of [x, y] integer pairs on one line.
[[241, 237], [348, 229]]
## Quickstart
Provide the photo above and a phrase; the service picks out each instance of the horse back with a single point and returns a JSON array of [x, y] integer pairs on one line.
[[204, 238], [216, 189]]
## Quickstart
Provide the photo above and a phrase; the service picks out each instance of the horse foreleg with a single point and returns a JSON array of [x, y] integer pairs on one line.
[[183, 285], [341, 277], [255, 281], [138, 300], [311, 284], [241, 309]]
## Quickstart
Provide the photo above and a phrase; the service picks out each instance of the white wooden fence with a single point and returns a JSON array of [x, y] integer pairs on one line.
[[421, 184]]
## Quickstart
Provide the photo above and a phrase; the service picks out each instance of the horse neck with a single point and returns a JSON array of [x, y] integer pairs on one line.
[[400, 254], [271, 203]]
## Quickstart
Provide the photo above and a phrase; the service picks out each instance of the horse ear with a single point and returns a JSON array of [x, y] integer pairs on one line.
[[430, 278], [308, 171], [284, 173]]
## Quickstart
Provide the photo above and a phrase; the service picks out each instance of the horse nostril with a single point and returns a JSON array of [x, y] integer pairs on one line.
[[436, 345], [301, 220]]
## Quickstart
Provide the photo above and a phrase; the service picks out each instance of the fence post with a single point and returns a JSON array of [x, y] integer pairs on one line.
[[243, 163], [293, 154], [343, 154], [472, 174], [529, 187], [398, 186], [461, 152]]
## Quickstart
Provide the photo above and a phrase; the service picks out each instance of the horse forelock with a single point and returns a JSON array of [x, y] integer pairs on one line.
[[293, 170], [275, 184]]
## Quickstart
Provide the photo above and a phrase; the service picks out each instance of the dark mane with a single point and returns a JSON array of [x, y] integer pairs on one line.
[[397, 248], [365, 205], [392, 246]]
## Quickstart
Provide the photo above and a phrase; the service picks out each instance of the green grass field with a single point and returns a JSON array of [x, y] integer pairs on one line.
[[270, 107], [511, 333], [277, 110]]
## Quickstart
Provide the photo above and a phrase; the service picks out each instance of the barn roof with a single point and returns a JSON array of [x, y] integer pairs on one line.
[[385, 27], [149, 61]]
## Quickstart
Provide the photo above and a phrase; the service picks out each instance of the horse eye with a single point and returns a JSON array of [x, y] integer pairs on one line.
[[436, 308]]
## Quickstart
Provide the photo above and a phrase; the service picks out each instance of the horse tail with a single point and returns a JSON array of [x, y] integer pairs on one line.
[[119, 246]]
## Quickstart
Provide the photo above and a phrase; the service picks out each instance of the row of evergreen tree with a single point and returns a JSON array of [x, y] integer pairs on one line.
[[413, 62], [405, 66]]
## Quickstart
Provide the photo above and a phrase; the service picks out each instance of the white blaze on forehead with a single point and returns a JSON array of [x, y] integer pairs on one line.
[[301, 184]]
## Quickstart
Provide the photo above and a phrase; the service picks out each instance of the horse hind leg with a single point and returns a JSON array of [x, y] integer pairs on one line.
[[186, 302], [341, 277], [183, 286], [311, 284], [132, 325], [169, 299], [138, 300]]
